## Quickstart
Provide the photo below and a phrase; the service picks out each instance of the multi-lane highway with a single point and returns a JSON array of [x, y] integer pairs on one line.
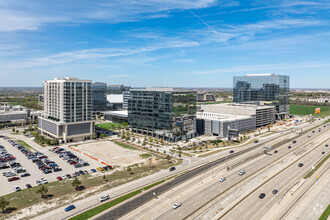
[[195, 194]]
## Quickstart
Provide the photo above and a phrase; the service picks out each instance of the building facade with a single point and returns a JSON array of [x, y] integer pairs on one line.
[[125, 99], [223, 125], [166, 113], [267, 88], [205, 97], [264, 115], [99, 96], [67, 109]]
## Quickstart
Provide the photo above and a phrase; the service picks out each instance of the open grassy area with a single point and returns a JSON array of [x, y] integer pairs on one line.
[[325, 214], [63, 192], [26, 146], [94, 211], [145, 155], [317, 167], [125, 145], [309, 109], [110, 126]]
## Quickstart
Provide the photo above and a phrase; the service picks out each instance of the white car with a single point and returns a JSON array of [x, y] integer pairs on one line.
[[222, 179], [63, 177], [177, 205], [38, 182], [17, 188], [104, 198], [44, 181], [242, 172]]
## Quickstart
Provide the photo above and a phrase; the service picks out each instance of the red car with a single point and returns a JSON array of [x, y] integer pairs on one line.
[[59, 178], [13, 178]]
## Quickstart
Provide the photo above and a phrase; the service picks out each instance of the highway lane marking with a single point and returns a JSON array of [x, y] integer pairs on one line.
[[153, 208]]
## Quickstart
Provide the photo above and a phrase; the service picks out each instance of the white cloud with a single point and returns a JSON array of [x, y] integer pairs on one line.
[[33, 14], [263, 67]]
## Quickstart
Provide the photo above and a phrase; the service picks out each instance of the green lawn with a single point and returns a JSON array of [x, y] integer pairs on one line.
[[110, 126], [309, 109]]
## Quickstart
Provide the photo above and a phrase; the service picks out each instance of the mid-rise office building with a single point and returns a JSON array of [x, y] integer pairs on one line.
[[125, 99], [224, 125], [205, 97], [67, 109], [13, 114], [264, 115], [166, 113], [99, 96], [266, 88], [117, 89]]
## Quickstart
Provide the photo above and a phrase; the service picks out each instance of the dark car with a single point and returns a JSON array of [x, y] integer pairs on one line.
[[294, 142], [289, 147], [275, 191], [172, 168], [256, 141], [262, 195], [93, 170], [231, 151], [313, 131], [81, 172], [25, 175], [323, 152], [28, 186], [68, 175], [300, 164], [326, 145], [276, 151], [70, 207]]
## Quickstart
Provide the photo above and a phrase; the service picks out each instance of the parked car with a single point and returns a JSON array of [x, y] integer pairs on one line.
[[38, 182], [294, 142], [16, 188], [104, 198], [59, 178], [289, 147], [28, 186], [231, 152], [276, 151], [300, 164], [93, 170], [25, 175], [70, 207], [13, 179], [256, 141], [100, 169], [275, 191]]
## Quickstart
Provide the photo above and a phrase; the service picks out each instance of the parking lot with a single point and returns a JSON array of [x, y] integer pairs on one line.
[[57, 164]]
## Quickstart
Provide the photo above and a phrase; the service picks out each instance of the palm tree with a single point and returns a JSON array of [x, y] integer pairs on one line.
[[3, 203], [76, 183], [43, 191]]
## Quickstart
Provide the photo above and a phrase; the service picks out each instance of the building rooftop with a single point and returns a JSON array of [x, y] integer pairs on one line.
[[239, 105], [115, 98], [261, 74], [219, 117], [117, 113], [162, 89]]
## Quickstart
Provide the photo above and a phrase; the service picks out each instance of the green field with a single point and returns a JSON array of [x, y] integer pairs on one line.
[[110, 126], [309, 109], [325, 214]]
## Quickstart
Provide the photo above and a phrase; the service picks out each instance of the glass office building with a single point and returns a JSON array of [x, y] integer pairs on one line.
[[163, 113], [99, 97], [270, 89]]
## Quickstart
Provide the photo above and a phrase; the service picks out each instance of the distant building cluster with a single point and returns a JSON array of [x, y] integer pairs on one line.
[[168, 113], [13, 114]]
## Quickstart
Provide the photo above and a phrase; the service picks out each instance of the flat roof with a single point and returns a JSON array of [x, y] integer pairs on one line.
[[115, 98], [219, 116], [117, 113]]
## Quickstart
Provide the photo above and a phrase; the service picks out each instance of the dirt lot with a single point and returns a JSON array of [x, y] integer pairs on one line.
[[112, 153]]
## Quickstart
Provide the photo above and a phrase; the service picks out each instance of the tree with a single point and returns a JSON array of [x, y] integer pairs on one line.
[[150, 139], [24, 132], [102, 135], [180, 154], [43, 191], [30, 127], [13, 129], [104, 178], [94, 135], [161, 141], [76, 183], [168, 157], [3, 203], [54, 141], [16, 131]]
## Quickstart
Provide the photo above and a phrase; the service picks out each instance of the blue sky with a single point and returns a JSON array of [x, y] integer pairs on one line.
[[187, 43]]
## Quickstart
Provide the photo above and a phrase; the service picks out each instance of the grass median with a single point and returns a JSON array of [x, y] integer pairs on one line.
[[26, 146], [310, 173], [94, 211], [325, 214]]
